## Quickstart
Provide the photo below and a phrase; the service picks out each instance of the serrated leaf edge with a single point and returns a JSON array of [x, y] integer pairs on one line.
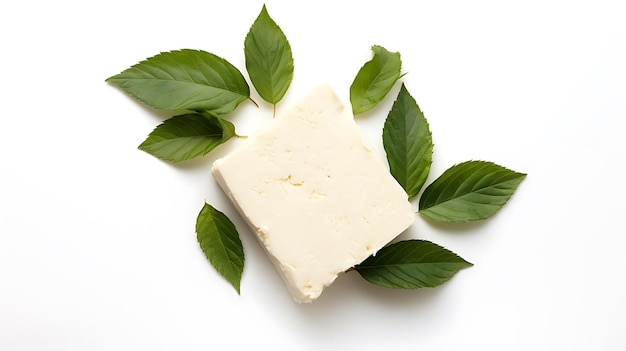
[[462, 264], [219, 266], [423, 211]]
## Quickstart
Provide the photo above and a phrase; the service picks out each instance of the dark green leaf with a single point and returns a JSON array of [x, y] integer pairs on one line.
[[268, 58], [185, 79], [411, 264], [220, 242], [469, 191], [408, 143], [374, 80], [187, 136]]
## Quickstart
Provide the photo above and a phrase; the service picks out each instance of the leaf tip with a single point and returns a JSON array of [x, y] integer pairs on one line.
[[264, 14], [112, 79]]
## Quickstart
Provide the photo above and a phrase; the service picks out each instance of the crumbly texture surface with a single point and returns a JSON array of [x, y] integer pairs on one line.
[[315, 194]]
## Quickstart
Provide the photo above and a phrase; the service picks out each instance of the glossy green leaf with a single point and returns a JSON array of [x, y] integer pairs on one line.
[[374, 80], [185, 79], [268, 57], [469, 191], [411, 264], [220, 242], [408, 143], [187, 136]]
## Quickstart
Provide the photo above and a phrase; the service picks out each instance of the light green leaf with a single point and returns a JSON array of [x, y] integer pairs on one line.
[[411, 264], [374, 80], [185, 79], [220, 242], [469, 191], [268, 57], [187, 136], [408, 143]]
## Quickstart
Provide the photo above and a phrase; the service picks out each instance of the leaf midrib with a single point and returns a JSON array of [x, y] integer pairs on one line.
[[179, 81], [366, 95], [458, 196]]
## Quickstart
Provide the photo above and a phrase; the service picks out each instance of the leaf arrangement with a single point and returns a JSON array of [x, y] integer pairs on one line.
[[470, 191], [208, 87]]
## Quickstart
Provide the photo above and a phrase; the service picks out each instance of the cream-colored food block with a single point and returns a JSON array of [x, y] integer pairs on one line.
[[318, 198]]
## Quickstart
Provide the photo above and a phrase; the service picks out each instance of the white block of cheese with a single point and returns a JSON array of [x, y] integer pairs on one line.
[[315, 193]]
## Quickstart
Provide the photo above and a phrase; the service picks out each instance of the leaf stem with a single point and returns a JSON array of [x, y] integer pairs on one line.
[[254, 102]]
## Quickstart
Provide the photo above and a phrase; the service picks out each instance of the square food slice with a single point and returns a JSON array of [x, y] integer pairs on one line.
[[318, 198]]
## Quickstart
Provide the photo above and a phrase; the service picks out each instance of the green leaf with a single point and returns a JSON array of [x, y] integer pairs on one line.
[[220, 242], [185, 79], [411, 264], [268, 58], [408, 143], [469, 191], [187, 136], [374, 80]]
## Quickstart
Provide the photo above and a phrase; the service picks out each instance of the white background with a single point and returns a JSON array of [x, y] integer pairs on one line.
[[97, 242]]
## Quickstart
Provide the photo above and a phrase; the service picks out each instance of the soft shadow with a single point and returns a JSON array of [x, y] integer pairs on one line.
[[350, 291], [395, 298], [195, 164], [161, 115], [206, 161]]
